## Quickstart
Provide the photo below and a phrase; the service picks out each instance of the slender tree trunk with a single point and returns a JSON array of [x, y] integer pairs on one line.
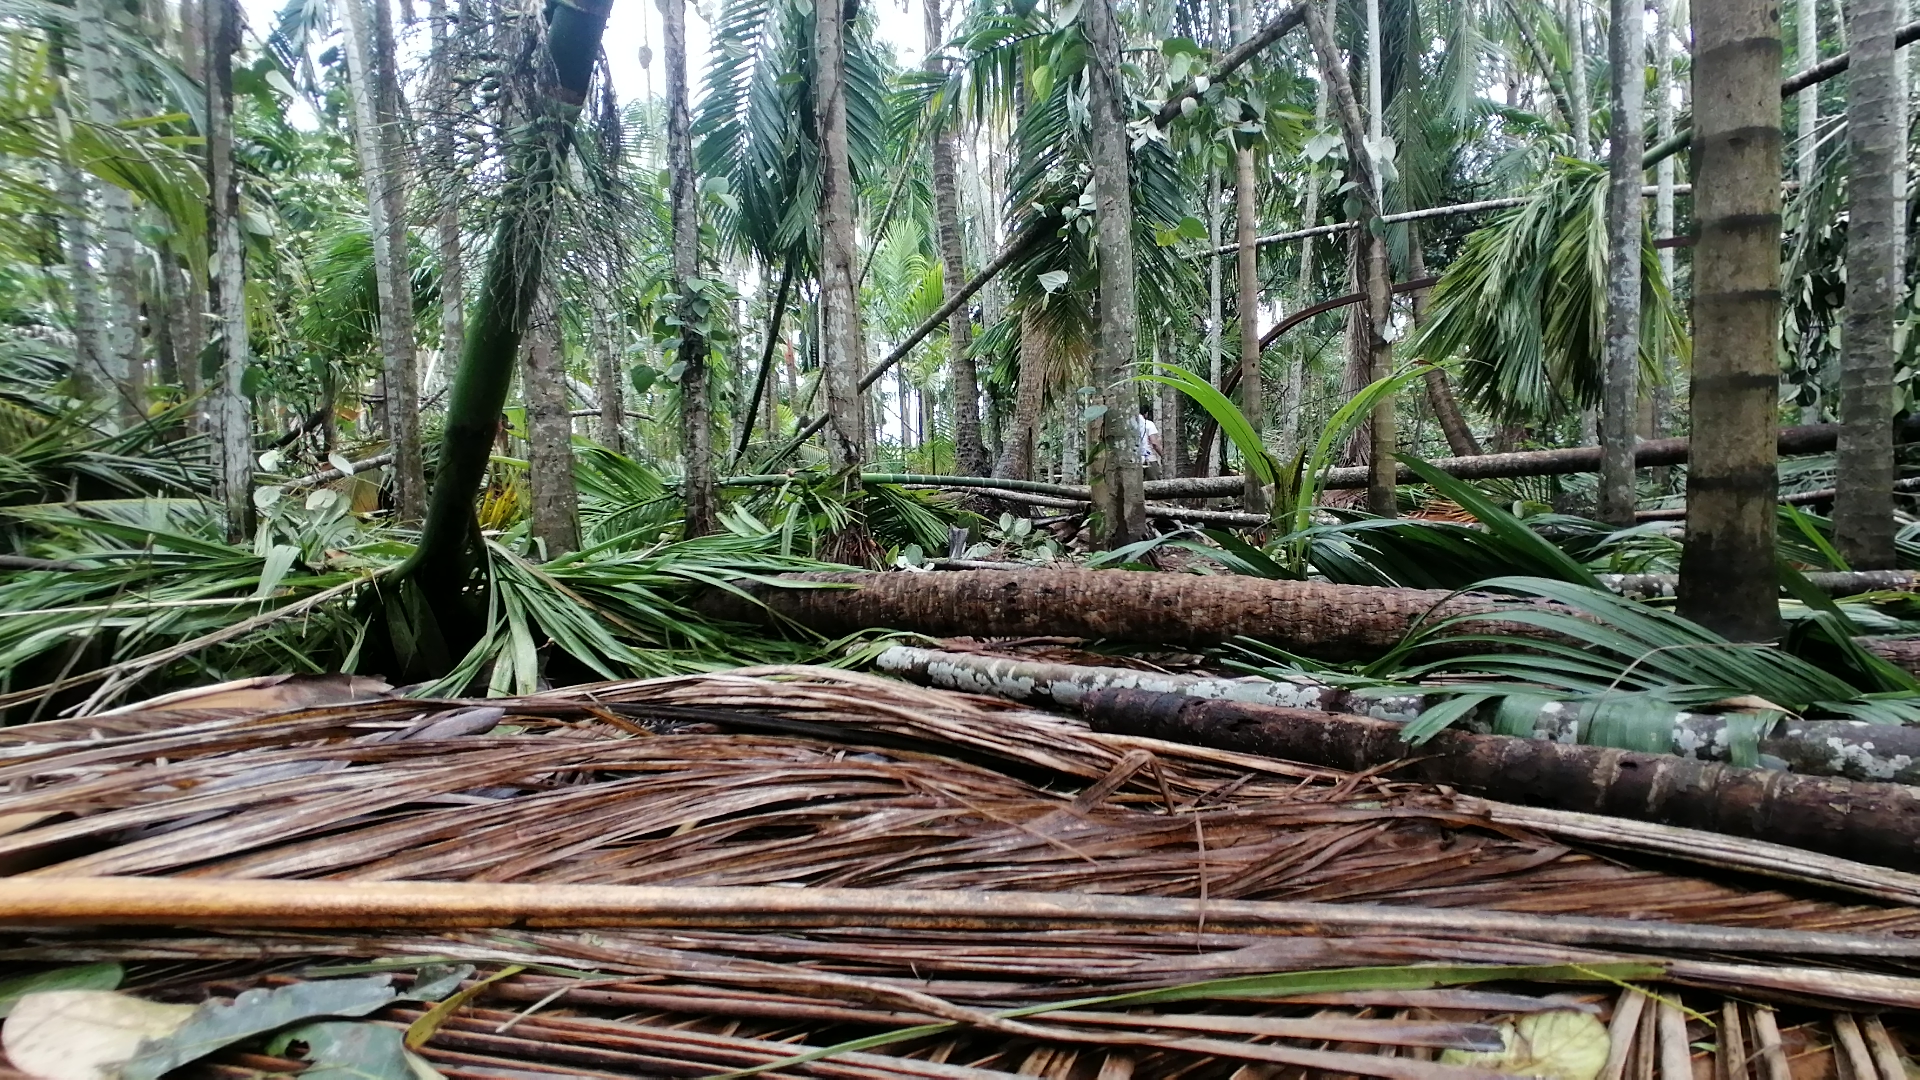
[[968, 447], [1017, 446], [231, 411], [453, 290], [169, 318], [1374, 270], [1806, 53], [1114, 439], [696, 424], [376, 130], [556, 501], [1216, 306], [1290, 417], [1246, 230], [1727, 576], [1440, 395], [83, 285], [119, 341], [1663, 207], [775, 314], [1863, 524], [606, 375], [1173, 448], [1577, 84], [1626, 49], [842, 351]]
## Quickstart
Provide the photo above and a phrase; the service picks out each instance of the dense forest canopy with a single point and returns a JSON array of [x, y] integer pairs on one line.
[[473, 343]]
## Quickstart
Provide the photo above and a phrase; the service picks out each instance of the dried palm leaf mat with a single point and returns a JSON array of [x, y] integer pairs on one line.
[[946, 814]]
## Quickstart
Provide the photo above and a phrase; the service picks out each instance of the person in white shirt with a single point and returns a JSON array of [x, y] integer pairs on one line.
[[1149, 447]]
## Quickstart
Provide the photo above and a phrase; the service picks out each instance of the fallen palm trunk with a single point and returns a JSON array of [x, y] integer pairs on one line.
[[1844, 583], [1872, 822], [1850, 748], [1793, 441]]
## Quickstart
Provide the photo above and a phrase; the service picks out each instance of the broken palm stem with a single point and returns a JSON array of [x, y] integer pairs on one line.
[[1871, 822], [1851, 748]]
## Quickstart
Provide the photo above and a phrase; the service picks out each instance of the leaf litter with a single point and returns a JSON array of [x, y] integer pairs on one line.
[[1274, 919]]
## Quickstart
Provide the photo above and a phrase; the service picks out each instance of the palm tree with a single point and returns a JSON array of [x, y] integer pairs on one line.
[[1727, 577], [842, 346], [231, 414], [1626, 47], [968, 447], [696, 426], [1863, 524]]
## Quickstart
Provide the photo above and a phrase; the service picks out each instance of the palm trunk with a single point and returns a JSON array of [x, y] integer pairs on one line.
[[1017, 445], [1577, 84], [1374, 270], [1440, 395], [453, 291], [83, 285], [1663, 208], [231, 411], [1806, 53], [1290, 417], [1727, 571], [1216, 309], [119, 260], [1863, 525], [449, 559], [556, 501], [1114, 438], [606, 374], [696, 422], [1626, 48], [775, 314], [1247, 305], [376, 123], [970, 451], [842, 352]]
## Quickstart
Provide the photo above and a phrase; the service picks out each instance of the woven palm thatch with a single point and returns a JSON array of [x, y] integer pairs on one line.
[[718, 872]]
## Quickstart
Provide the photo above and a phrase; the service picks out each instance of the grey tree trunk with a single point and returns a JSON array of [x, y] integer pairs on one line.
[[1806, 53], [453, 289], [1246, 229], [606, 375], [1727, 576], [1580, 118], [83, 285], [1620, 404], [1216, 308], [1114, 438], [1017, 447], [1290, 418], [543, 379], [842, 352], [1440, 395], [230, 411], [970, 451], [1374, 270], [1863, 525], [118, 339], [696, 423], [1663, 205], [376, 116]]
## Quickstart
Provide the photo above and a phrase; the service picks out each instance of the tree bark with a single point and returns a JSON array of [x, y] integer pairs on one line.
[[696, 422], [1806, 53], [605, 339], [1872, 822], [1727, 570], [1374, 270], [1211, 463], [1113, 464], [1580, 119], [556, 500], [231, 411], [1663, 206], [775, 315], [1620, 396], [1247, 305], [1863, 525], [453, 287], [842, 351], [967, 445], [1023, 433], [119, 313], [1440, 395], [376, 131]]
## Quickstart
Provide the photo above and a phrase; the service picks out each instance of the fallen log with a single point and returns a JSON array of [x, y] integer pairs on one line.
[[1838, 583], [1793, 441], [1871, 822], [1335, 622], [1851, 748]]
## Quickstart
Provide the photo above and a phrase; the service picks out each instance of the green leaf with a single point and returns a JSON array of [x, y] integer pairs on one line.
[[104, 976], [256, 1012], [343, 1050], [423, 1029], [1502, 523]]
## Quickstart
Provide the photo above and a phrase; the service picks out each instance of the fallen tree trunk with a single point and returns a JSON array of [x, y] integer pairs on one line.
[[1871, 822], [1335, 622], [1809, 439], [1850, 748]]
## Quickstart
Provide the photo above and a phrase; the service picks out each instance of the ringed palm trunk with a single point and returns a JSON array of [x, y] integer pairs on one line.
[[1727, 577], [453, 291], [1246, 229], [1863, 524], [1017, 447], [1374, 270], [231, 412], [376, 113], [1620, 395], [968, 446], [606, 373], [556, 501], [842, 353], [434, 590], [119, 339], [696, 424], [1114, 438]]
